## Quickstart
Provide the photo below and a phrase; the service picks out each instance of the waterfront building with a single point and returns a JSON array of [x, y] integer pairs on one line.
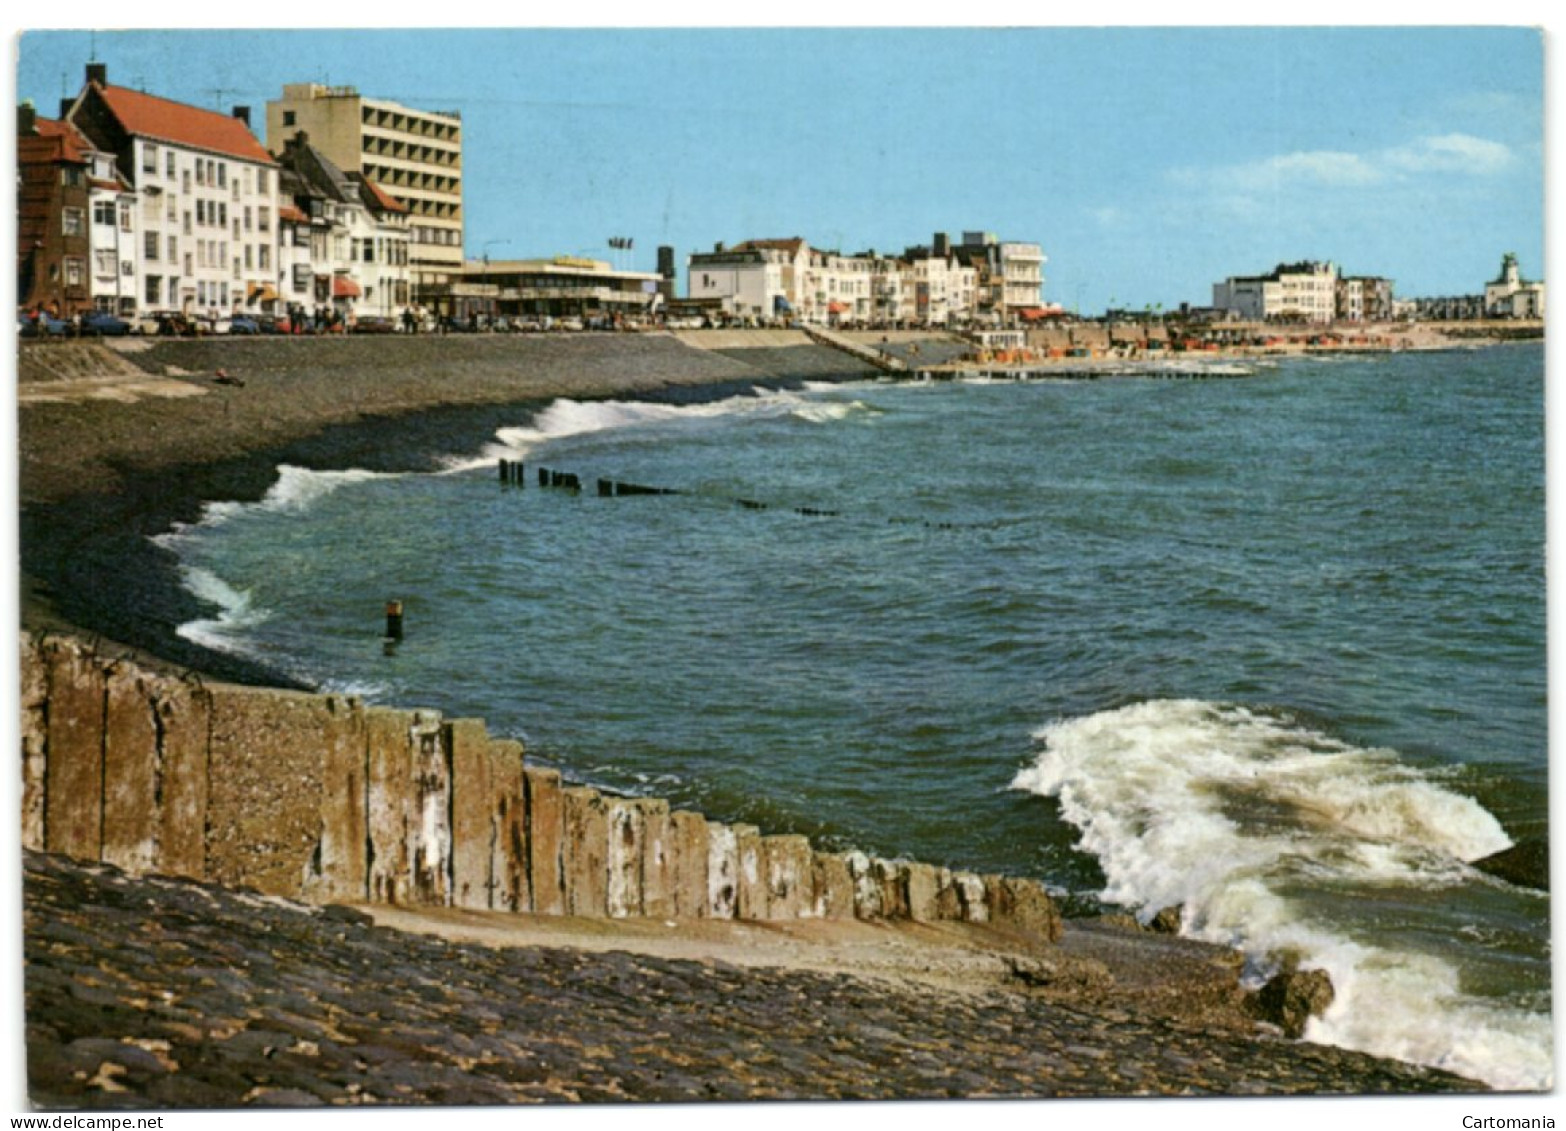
[[1364, 298], [206, 195], [53, 167], [757, 279], [560, 288], [357, 237], [1010, 276], [1509, 295], [1291, 292], [414, 156], [928, 285]]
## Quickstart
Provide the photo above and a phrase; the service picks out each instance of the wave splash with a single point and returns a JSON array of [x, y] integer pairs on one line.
[[565, 418], [1279, 839]]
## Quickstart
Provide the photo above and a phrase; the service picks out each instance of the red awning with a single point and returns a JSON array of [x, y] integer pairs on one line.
[[1039, 313], [344, 287], [837, 308]]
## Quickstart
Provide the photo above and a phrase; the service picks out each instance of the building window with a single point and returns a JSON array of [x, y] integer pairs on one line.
[[263, 257], [71, 176], [185, 181], [264, 218], [126, 216], [72, 222], [173, 249], [127, 267], [154, 293], [187, 223], [73, 272], [103, 212], [168, 165], [104, 262], [150, 245], [149, 158], [261, 180], [288, 117], [222, 172]]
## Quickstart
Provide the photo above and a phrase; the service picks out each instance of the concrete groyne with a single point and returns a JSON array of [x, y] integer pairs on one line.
[[322, 798]]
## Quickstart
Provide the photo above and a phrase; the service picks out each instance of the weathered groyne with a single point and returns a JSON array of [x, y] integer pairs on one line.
[[322, 798]]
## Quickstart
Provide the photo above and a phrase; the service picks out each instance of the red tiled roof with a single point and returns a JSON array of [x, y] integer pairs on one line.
[[71, 143], [147, 115], [384, 199]]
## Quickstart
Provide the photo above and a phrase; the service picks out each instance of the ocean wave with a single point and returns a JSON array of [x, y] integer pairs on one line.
[[295, 490], [237, 613], [1254, 825], [565, 418]]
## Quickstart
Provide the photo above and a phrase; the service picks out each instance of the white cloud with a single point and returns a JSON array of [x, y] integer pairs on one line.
[[1450, 153], [1326, 168]]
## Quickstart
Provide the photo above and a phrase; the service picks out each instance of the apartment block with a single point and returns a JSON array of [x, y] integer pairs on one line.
[[414, 156], [205, 195]]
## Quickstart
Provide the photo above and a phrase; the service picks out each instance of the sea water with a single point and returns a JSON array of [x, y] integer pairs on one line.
[[1268, 648]]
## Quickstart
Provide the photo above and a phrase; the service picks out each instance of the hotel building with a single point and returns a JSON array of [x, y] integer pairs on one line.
[[415, 156]]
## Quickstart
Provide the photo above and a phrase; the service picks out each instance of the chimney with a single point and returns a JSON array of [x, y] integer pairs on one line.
[[26, 120], [243, 114], [718, 247], [98, 73], [943, 245], [666, 266], [65, 107]]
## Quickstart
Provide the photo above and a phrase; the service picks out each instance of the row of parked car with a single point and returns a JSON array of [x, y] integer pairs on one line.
[[98, 324]]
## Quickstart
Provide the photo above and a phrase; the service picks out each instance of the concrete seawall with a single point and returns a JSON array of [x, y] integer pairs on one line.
[[325, 799]]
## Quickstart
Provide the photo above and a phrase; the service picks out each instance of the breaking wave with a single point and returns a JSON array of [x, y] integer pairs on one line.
[[1282, 840]]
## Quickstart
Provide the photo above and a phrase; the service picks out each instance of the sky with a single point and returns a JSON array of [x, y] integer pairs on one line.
[[1148, 162]]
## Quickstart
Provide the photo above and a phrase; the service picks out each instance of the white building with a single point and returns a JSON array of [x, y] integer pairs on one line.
[[1292, 292], [757, 279], [356, 235], [1510, 295], [770, 278], [206, 192]]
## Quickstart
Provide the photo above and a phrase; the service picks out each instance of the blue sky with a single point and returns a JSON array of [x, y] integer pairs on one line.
[[1148, 162]]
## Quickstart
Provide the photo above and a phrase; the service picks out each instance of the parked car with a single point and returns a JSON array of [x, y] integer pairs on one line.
[[105, 324], [243, 324], [273, 324], [44, 325], [374, 324]]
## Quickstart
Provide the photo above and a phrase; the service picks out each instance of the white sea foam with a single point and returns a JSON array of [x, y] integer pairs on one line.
[[1237, 816], [565, 418], [295, 490], [236, 612]]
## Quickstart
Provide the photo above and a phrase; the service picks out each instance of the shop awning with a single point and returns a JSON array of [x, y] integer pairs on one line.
[[344, 287], [837, 308], [260, 292]]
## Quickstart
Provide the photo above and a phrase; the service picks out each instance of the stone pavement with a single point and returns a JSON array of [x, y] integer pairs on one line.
[[167, 994]]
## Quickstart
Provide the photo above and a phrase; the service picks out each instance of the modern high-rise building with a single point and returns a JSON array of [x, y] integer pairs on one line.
[[415, 155]]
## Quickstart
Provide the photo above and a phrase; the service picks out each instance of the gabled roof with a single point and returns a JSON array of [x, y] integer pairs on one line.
[[160, 119], [72, 145], [380, 198]]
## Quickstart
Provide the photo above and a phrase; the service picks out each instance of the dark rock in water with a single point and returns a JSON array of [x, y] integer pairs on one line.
[[1526, 864], [1291, 998], [1167, 921]]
